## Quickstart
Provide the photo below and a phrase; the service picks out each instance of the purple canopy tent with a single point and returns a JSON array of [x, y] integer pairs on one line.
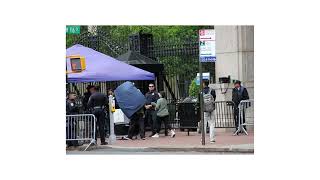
[[100, 67]]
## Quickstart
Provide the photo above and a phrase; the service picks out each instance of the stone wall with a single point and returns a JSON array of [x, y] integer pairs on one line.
[[235, 57]]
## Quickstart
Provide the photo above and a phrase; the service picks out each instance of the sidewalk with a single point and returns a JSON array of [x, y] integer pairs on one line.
[[225, 142]]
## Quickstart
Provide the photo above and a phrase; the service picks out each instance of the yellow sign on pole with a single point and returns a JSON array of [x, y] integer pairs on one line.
[[77, 62]]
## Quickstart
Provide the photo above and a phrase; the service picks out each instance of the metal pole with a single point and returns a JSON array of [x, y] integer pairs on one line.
[[68, 84], [203, 129], [201, 100], [112, 137]]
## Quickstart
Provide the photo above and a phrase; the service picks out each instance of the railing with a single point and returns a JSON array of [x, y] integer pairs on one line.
[[245, 115], [224, 114], [81, 127]]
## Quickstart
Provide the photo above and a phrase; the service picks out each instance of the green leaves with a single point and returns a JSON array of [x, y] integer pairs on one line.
[[194, 89]]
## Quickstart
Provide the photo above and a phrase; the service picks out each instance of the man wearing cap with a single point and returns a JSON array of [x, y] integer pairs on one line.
[[97, 102], [239, 93]]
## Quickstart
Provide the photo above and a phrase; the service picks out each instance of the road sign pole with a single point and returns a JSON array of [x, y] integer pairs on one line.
[[201, 105], [206, 54], [203, 142]]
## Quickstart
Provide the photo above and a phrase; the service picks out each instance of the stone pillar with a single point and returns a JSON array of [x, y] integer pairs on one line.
[[235, 57]]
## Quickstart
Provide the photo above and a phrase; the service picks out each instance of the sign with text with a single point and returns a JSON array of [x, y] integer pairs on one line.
[[73, 30], [207, 45], [204, 76]]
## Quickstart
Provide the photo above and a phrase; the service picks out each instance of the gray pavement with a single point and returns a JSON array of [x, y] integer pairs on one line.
[[226, 143]]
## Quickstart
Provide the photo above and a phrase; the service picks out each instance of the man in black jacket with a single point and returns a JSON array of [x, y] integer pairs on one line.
[[239, 93], [98, 102], [151, 114]]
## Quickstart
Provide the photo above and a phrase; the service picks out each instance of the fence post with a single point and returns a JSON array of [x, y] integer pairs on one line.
[[112, 137]]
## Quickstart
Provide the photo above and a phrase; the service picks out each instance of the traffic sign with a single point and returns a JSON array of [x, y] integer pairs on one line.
[[204, 76], [207, 45], [73, 30]]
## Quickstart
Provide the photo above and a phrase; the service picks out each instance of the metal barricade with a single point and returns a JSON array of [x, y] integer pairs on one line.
[[81, 127], [173, 119], [246, 115], [224, 114]]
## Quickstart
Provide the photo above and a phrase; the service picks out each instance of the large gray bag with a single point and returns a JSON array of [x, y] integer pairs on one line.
[[208, 102]]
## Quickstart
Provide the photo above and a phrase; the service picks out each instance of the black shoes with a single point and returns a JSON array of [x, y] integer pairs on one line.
[[104, 143]]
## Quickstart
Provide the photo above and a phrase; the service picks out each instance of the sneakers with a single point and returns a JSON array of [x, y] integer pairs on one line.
[[155, 135], [127, 138], [173, 134]]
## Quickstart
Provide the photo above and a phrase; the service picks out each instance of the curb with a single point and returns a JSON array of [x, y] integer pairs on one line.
[[170, 149]]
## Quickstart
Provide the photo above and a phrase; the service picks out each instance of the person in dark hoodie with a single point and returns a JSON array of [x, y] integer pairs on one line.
[[239, 93]]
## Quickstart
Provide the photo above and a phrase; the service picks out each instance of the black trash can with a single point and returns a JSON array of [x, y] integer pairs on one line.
[[189, 115]]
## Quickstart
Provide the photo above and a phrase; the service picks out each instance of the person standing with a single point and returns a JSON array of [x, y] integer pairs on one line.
[[150, 114], [209, 96], [86, 98], [162, 115], [239, 93], [97, 102], [136, 121], [71, 126]]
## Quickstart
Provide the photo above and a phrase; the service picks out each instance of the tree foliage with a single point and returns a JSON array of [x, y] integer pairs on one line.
[[194, 89]]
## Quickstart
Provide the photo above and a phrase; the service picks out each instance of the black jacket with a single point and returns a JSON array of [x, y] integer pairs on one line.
[[71, 107], [85, 101], [152, 97], [239, 95], [97, 99]]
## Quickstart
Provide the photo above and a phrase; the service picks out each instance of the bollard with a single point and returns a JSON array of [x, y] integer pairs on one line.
[[112, 137]]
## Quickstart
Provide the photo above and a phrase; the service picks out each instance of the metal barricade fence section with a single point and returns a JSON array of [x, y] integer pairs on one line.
[[224, 114], [81, 128], [246, 114]]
